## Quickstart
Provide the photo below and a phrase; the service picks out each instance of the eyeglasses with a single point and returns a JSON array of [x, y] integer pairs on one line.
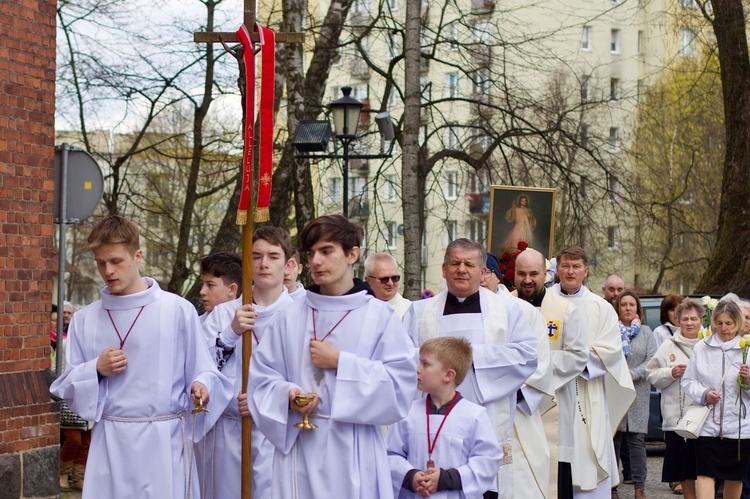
[[384, 280]]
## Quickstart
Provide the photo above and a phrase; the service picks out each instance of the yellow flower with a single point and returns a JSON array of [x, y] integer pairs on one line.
[[742, 342]]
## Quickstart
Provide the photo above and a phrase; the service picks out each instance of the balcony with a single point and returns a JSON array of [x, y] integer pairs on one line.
[[479, 203], [482, 6], [359, 208], [360, 69], [481, 54]]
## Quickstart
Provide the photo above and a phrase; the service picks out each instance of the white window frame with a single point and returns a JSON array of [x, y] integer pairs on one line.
[[450, 85], [687, 45], [615, 41], [614, 89], [334, 185], [478, 230], [586, 41], [394, 44], [450, 231], [391, 188], [391, 233], [614, 139], [586, 89], [451, 185], [451, 138], [613, 237]]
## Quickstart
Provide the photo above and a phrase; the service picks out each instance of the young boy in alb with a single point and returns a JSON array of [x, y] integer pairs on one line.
[[349, 348], [136, 363], [221, 280], [219, 455], [446, 446], [294, 267]]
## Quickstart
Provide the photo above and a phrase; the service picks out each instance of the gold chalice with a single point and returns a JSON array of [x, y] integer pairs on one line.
[[302, 400]]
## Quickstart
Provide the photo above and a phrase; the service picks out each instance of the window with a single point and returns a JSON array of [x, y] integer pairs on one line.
[[360, 7], [451, 85], [423, 135], [687, 42], [585, 187], [334, 185], [586, 88], [357, 187], [614, 41], [451, 186], [614, 139], [391, 233], [478, 231], [449, 231], [393, 97], [640, 42], [688, 4], [613, 237], [451, 34], [424, 88], [361, 91], [614, 89], [393, 4], [390, 186], [478, 181], [480, 82], [586, 38], [451, 138], [585, 136], [613, 186], [394, 44]]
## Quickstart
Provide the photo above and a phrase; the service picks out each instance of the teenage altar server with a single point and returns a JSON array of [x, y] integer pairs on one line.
[[504, 345], [605, 388], [351, 350], [136, 363], [219, 455]]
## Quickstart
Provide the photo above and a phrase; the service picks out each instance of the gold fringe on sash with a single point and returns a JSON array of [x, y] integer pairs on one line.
[[262, 215]]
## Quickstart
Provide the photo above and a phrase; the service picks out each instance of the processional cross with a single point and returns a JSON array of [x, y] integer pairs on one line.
[[250, 34]]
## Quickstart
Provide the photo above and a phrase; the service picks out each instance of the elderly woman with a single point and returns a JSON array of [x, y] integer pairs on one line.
[[668, 318], [638, 345], [665, 370], [711, 378]]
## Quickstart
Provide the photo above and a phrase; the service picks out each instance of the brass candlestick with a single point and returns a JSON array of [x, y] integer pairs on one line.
[[302, 400]]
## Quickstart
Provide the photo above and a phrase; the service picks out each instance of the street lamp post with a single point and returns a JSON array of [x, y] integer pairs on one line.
[[346, 111]]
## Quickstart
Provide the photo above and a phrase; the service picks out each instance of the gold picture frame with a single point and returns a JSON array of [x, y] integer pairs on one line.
[[510, 221]]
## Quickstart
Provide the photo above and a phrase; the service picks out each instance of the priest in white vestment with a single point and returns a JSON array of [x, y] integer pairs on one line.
[[505, 348], [219, 455], [531, 453], [605, 388], [135, 364], [381, 273], [569, 354], [351, 350]]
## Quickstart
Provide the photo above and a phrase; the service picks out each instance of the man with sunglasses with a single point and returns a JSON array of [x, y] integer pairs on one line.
[[381, 273]]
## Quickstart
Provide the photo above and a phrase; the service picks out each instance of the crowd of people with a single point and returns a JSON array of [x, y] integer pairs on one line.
[[475, 392]]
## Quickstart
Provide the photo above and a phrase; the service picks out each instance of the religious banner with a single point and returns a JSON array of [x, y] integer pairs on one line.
[[521, 215]]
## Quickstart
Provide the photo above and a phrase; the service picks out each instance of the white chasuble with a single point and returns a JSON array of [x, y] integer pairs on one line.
[[605, 392], [375, 384], [140, 443], [505, 355], [219, 455], [531, 453]]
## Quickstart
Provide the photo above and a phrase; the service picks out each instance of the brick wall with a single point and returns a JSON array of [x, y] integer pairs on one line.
[[29, 432]]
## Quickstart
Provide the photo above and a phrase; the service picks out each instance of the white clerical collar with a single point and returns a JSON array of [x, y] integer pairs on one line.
[[134, 300], [577, 294], [397, 298], [343, 302]]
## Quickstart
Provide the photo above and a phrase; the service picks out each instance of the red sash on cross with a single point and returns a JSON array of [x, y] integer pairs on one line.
[[265, 122]]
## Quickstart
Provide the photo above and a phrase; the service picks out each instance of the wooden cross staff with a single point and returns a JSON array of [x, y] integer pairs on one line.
[[246, 219]]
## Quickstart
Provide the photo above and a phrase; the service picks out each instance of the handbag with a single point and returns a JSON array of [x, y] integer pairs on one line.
[[691, 423], [69, 419]]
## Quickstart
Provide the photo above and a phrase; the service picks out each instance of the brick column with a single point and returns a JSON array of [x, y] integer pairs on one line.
[[29, 430]]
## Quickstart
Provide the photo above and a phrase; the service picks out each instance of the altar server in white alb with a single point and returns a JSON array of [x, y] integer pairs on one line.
[[219, 455], [504, 345], [568, 354], [446, 447], [136, 363], [605, 388], [293, 269], [349, 348], [221, 280], [531, 454]]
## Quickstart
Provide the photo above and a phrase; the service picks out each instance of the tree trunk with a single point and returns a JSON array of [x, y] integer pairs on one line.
[[729, 266], [412, 178], [181, 268]]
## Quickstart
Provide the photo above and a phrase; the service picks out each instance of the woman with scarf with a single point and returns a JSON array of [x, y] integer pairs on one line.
[[638, 346], [665, 371], [712, 378]]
